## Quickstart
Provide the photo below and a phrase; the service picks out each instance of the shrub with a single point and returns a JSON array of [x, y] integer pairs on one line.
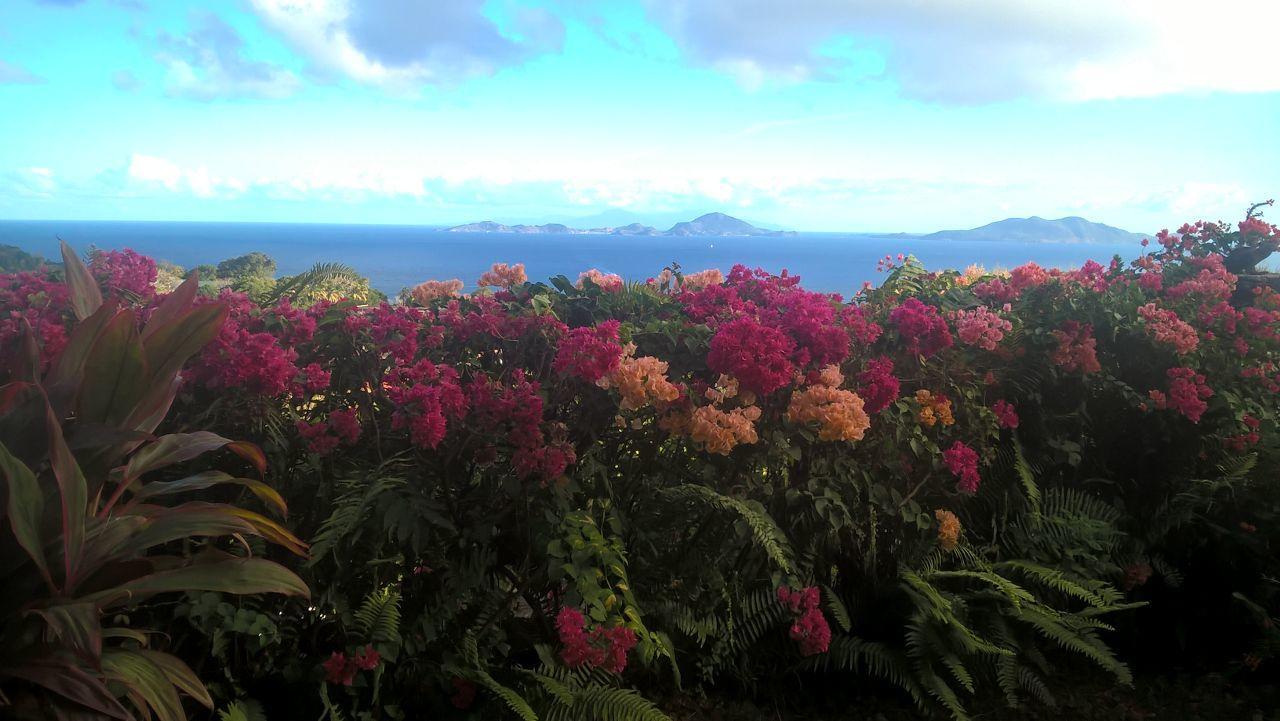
[[563, 498]]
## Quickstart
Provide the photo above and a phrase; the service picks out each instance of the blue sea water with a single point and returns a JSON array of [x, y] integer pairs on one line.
[[396, 256]]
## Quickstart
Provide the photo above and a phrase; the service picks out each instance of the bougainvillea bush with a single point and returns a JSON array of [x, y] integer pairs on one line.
[[574, 499]]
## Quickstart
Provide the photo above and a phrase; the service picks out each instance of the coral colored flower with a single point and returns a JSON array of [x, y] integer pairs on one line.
[[719, 431], [962, 461], [1166, 327], [934, 409], [1077, 348], [980, 327], [589, 353], [640, 381], [1187, 393], [838, 413], [948, 529], [830, 376], [1027, 276], [608, 282], [426, 292], [1212, 282], [877, 385], [921, 327], [757, 355], [1006, 415], [501, 275], [702, 279]]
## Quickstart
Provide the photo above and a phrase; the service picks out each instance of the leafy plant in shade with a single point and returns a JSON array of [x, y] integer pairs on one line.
[[88, 535]]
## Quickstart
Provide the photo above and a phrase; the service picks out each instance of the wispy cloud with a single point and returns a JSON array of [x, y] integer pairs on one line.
[[209, 63], [406, 44], [11, 74]]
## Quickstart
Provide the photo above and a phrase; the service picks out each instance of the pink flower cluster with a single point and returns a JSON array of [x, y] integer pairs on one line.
[[1187, 393], [589, 353], [322, 438], [514, 411], [600, 647], [759, 356], [877, 385], [962, 461], [1212, 282], [44, 304], [426, 396], [921, 327], [980, 327], [1077, 350], [810, 627], [1006, 415], [244, 355], [124, 271], [1166, 327]]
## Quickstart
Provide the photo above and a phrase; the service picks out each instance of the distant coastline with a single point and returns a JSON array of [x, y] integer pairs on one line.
[[713, 225]]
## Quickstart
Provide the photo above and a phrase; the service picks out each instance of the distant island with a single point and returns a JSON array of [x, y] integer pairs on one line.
[[1035, 229], [711, 224]]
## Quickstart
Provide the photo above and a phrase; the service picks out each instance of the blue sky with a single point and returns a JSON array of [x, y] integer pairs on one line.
[[809, 114]]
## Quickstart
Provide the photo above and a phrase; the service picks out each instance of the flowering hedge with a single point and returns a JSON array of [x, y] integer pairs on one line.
[[565, 498]]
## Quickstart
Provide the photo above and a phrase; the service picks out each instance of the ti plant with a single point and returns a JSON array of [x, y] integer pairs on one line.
[[87, 535]]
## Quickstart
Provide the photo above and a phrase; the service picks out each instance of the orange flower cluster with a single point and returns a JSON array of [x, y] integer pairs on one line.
[[838, 412], [640, 381], [830, 376], [502, 275], [720, 431], [726, 387], [948, 529], [934, 409], [702, 279], [608, 282], [430, 290]]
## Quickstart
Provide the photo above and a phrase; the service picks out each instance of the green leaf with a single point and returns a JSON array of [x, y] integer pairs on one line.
[[26, 509], [171, 449], [240, 576], [141, 675], [180, 675], [72, 683], [115, 374], [208, 479], [86, 297], [77, 624]]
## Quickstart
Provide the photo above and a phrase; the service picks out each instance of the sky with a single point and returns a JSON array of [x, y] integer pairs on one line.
[[820, 115]]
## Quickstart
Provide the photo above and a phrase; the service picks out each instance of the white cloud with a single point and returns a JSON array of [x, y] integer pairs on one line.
[[405, 43], [969, 51]]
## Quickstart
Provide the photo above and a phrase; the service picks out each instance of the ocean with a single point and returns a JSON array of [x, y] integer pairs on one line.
[[394, 257]]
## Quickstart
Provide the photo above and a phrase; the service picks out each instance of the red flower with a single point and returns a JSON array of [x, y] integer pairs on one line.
[[367, 658], [339, 669], [757, 355], [921, 327], [878, 386], [464, 693], [1006, 415], [962, 461], [589, 353]]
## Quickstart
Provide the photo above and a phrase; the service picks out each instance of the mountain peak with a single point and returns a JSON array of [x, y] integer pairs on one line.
[[1071, 229]]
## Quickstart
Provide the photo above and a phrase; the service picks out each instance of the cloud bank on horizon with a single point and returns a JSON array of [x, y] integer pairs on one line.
[[816, 114]]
